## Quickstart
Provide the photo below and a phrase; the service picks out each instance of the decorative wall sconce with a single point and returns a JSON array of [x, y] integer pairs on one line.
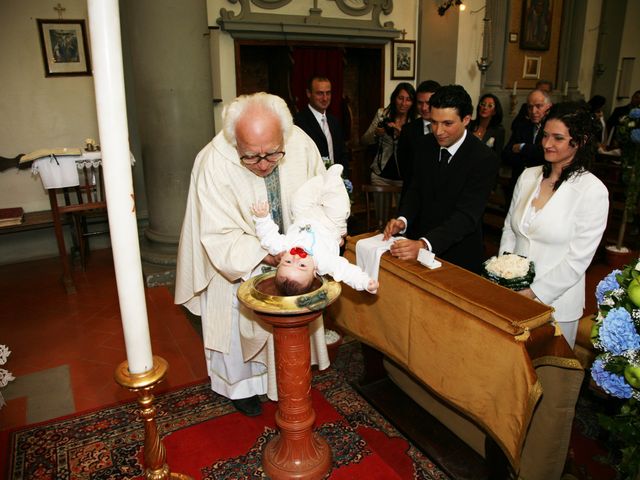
[[442, 9]]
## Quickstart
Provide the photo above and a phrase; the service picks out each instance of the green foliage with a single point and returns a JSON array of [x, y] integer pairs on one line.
[[630, 170], [624, 429]]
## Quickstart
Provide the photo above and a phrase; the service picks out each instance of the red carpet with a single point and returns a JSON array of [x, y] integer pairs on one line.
[[207, 439]]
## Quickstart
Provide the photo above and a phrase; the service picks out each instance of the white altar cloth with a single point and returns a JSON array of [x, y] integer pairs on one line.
[[59, 171]]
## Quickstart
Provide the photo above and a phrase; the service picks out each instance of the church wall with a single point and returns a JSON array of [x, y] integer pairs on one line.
[[629, 48], [515, 55], [38, 111], [589, 47], [404, 16], [470, 38], [42, 112], [438, 43]]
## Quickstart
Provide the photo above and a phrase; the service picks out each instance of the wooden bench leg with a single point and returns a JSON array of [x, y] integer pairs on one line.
[[67, 279], [373, 367]]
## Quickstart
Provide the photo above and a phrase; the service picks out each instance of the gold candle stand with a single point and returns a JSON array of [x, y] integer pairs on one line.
[[155, 455]]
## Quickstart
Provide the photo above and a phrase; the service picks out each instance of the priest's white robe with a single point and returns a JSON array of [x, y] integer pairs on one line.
[[219, 248]]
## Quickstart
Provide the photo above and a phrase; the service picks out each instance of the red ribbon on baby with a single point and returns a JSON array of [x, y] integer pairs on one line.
[[298, 251]]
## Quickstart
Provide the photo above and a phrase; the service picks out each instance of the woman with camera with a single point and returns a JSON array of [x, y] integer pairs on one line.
[[384, 132]]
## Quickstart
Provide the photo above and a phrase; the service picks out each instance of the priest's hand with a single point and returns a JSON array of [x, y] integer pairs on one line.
[[272, 260], [406, 249], [393, 226]]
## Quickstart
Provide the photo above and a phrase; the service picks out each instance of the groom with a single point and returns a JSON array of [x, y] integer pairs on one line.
[[453, 177]]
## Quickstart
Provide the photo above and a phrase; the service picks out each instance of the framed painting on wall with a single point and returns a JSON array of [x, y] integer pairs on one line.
[[531, 68], [403, 59], [64, 47], [535, 31]]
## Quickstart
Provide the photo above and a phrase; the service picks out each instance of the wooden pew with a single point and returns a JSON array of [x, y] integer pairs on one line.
[[482, 353]]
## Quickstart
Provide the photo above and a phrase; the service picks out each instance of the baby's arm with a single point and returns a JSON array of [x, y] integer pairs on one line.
[[260, 209], [266, 229], [343, 271]]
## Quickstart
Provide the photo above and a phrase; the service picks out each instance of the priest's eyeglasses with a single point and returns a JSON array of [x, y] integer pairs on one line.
[[252, 159]]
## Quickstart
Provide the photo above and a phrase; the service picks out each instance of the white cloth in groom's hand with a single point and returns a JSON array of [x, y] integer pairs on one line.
[[368, 253]]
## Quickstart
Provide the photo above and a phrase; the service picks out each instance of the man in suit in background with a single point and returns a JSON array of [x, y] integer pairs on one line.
[[323, 128], [412, 132], [524, 148], [454, 173], [523, 114]]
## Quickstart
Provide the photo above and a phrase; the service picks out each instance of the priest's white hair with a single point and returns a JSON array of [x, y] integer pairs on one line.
[[258, 101]]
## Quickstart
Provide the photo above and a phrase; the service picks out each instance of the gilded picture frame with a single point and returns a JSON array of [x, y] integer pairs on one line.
[[531, 67], [535, 31]]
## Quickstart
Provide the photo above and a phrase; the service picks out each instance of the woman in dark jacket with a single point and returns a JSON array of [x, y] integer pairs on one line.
[[487, 125]]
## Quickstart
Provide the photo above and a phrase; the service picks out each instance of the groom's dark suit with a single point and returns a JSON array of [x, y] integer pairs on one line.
[[445, 204], [410, 138], [307, 122]]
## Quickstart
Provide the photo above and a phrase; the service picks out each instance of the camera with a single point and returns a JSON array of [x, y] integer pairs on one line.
[[384, 124]]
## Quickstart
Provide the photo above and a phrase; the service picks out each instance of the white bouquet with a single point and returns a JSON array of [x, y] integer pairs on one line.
[[510, 270]]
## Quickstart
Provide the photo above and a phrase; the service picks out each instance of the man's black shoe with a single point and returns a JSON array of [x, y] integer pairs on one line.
[[250, 406]]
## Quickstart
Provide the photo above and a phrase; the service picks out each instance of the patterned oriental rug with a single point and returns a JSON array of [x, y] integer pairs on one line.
[[206, 438]]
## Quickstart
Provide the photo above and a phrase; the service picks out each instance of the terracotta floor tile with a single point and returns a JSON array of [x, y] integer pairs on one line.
[[84, 331], [14, 413]]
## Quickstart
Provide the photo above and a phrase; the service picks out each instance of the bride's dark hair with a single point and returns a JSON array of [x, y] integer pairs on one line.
[[583, 130]]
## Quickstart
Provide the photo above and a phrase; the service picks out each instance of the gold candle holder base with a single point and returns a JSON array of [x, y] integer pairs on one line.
[[143, 384]]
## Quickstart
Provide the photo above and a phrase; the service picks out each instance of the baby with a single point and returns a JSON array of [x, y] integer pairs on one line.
[[311, 245]]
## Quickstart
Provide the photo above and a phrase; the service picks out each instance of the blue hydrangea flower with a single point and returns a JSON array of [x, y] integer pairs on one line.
[[634, 113], [618, 333], [635, 135], [607, 284], [610, 382], [348, 185]]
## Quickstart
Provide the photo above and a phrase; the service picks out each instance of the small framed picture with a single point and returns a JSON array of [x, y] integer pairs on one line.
[[64, 47], [531, 68], [403, 59], [513, 37]]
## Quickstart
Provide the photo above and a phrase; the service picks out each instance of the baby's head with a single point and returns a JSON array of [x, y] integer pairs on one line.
[[295, 273]]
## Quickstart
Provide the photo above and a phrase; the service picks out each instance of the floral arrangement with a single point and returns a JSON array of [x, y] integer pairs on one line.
[[5, 376], [510, 270], [628, 137], [616, 370], [348, 185]]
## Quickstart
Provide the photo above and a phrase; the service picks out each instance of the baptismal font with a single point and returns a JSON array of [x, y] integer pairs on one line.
[[296, 452]]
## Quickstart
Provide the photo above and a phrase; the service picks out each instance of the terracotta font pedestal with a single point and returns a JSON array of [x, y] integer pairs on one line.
[[296, 452]]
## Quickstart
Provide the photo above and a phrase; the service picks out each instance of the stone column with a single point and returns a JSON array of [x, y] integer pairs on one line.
[[498, 12], [574, 12], [172, 97]]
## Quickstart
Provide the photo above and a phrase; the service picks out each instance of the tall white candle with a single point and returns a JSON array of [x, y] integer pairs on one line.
[[108, 79], [515, 87], [566, 88]]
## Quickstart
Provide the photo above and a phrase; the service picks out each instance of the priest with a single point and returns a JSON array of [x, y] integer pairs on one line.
[[259, 155]]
